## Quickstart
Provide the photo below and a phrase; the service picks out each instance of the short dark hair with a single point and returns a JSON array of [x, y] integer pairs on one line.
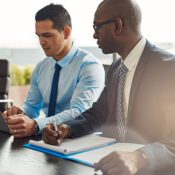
[[57, 14]]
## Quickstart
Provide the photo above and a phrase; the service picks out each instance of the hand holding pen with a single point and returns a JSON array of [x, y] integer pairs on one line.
[[58, 133], [55, 134]]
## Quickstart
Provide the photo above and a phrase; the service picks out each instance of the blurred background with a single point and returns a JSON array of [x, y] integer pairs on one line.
[[19, 44]]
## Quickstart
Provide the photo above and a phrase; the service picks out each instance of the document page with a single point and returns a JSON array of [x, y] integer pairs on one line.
[[95, 155], [80, 144]]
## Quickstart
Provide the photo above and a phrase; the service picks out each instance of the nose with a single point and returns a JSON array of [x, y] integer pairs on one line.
[[95, 35], [42, 41]]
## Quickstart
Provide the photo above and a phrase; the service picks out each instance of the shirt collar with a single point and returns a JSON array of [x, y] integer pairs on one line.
[[67, 58], [132, 59]]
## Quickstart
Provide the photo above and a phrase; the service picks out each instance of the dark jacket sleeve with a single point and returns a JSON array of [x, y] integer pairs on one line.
[[92, 119]]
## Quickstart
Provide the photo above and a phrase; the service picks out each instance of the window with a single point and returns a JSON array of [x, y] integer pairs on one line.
[[18, 25], [20, 45]]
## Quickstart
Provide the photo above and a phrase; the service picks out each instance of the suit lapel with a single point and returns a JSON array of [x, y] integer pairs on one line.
[[112, 79], [109, 130], [137, 78]]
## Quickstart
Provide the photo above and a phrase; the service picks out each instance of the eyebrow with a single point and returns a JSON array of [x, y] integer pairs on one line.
[[43, 34]]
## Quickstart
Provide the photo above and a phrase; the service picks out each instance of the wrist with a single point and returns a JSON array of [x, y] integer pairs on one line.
[[35, 127], [66, 129], [142, 161]]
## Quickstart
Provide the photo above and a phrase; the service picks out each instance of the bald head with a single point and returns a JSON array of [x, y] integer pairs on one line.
[[127, 10]]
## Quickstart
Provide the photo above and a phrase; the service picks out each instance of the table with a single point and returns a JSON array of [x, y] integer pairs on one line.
[[17, 160]]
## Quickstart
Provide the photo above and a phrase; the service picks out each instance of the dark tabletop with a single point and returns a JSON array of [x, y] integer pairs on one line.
[[17, 160]]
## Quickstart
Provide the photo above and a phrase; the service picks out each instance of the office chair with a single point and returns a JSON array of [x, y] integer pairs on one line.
[[4, 85]]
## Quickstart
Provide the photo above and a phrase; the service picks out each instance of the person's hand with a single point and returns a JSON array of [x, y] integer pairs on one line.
[[53, 137], [122, 163], [14, 110], [21, 126]]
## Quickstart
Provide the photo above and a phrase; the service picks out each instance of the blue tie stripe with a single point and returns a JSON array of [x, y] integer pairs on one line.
[[54, 91], [121, 123]]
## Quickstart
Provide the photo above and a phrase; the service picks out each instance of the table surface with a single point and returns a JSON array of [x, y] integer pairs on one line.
[[17, 160]]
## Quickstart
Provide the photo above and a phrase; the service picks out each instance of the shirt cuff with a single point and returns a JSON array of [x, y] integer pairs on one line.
[[158, 156], [41, 122]]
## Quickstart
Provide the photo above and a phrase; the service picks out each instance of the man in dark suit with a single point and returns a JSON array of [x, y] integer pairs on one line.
[[147, 115]]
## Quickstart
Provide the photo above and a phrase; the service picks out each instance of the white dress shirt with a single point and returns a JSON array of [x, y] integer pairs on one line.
[[80, 84], [131, 62]]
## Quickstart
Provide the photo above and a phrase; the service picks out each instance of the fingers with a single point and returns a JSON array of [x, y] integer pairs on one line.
[[109, 165], [21, 125], [16, 125], [111, 168], [118, 162], [64, 131], [12, 111], [61, 135], [4, 114], [19, 133], [49, 135], [104, 161], [55, 137], [16, 110], [16, 119]]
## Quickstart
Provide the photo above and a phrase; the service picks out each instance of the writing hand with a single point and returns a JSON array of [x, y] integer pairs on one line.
[[53, 137]]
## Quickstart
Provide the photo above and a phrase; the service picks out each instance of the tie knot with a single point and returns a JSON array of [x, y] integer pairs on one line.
[[123, 67], [57, 67], [122, 70]]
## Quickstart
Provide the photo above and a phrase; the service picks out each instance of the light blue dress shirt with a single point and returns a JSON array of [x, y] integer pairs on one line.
[[80, 84]]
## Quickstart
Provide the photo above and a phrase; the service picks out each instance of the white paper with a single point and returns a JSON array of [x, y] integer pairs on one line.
[[96, 154], [70, 146]]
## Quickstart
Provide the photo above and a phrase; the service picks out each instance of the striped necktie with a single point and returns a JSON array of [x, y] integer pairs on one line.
[[54, 91], [121, 122]]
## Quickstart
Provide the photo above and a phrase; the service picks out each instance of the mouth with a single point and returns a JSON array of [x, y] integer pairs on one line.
[[98, 44], [46, 48]]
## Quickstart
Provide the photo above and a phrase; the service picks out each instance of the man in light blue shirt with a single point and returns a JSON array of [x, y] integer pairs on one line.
[[81, 78]]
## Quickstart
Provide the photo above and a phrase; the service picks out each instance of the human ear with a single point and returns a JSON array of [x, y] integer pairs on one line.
[[67, 31], [118, 25]]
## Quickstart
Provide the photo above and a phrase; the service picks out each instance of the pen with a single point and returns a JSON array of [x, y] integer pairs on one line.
[[55, 125], [56, 129]]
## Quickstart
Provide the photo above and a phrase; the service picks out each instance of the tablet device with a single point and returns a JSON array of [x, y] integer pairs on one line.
[[3, 125]]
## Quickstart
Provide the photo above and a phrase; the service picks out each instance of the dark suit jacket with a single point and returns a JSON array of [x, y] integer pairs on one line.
[[151, 111]]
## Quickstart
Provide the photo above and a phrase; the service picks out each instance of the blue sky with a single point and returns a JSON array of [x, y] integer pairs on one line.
[[17, 20]]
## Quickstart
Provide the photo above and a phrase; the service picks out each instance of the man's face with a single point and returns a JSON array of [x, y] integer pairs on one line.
[[51, 40], [103, 30]]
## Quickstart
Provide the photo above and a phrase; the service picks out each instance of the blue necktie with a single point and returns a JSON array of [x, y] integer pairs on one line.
[[121, 122], [54, 91]]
